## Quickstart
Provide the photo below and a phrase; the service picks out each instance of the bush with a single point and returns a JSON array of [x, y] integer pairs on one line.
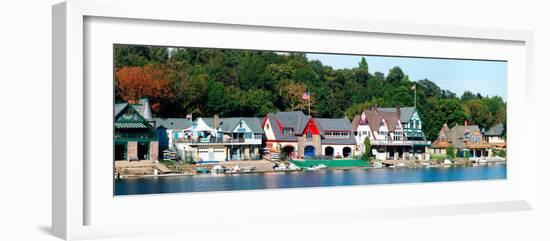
[[451, 153], [366, 152], [467, 154], [438, 157], [500, 153]]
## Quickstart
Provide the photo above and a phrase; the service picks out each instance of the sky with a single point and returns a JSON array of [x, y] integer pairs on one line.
[[478, 76]]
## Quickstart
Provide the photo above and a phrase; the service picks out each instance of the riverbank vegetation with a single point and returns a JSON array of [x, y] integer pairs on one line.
[[198, 81]]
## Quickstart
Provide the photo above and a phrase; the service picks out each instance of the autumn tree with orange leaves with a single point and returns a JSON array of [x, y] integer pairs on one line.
[[148, 81]]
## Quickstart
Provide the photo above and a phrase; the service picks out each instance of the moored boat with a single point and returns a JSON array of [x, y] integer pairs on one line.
[[202, 170]]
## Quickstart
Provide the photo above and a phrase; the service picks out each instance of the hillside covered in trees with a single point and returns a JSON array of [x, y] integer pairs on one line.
[[179, 81]]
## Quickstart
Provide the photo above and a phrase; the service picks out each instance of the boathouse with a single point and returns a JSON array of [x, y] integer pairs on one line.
[[134, 132], [466, 139]]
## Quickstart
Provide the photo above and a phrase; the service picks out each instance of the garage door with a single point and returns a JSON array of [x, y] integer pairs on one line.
[[218, 155], [204, 154]]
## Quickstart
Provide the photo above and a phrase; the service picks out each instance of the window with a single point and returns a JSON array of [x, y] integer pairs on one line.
[[257, 135], [248, 135], [287, 131], [267, 126], [341, 135], [397, 136], [309, 135]]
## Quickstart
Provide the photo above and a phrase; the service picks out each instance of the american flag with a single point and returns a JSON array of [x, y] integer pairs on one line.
[[305, 96]]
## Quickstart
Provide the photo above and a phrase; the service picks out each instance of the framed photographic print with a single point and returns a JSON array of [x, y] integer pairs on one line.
[[280, 118]]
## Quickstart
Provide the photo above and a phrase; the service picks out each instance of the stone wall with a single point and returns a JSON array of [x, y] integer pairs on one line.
[[315, 142], [154, 150], [132, 150]]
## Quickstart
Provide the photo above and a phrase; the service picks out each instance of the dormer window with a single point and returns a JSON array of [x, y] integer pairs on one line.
[[288, 131]]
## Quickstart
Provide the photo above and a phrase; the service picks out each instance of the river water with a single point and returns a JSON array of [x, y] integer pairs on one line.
[[222, 182]]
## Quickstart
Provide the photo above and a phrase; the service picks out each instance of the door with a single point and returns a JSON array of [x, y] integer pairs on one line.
[[309, 151], [329, 151], [120, 152]]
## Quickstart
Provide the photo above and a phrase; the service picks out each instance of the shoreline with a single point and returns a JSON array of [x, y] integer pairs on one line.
[[415, 166]]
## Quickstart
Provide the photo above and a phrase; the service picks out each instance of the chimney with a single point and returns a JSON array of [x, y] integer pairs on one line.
[[216, 121]]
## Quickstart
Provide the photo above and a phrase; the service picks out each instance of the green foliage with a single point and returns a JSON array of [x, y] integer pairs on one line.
[[252, 83], [395, 75], [499, 152], [367, 149], [438, 157], [467, 154], [451, 152], [126, 55]]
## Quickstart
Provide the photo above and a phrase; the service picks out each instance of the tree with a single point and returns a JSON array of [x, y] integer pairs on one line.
[[468, 95], [127, 55], [395, 76], [450, 152], [215, 94], [361, 73], [325, 106], [292, 93], [367, 149], [148, 81], [439, 112], [205, 81], [478, 113]]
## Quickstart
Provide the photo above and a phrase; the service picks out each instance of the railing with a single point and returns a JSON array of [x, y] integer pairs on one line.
[[399, 143], [246, 157], [218, 141], [150, 136]]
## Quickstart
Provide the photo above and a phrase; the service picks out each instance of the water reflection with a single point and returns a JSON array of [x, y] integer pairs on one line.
[[208, 182]]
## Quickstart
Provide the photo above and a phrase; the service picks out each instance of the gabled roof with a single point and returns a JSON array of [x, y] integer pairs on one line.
[[119, 107], [496, 130], [296, 120], [173, 123], [276, 127], [374, 119], [254, 123], [460, 136], [337, 125], [142, 107], [355, 122], [122, 122], [228, 124], [406, 112], [333, 124]]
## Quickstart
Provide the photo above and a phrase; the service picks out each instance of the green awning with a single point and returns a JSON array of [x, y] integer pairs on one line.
[[130, 125]]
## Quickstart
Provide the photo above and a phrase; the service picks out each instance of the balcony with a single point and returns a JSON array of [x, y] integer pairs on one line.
[[151, 136], [400, 143], [217, 141]]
